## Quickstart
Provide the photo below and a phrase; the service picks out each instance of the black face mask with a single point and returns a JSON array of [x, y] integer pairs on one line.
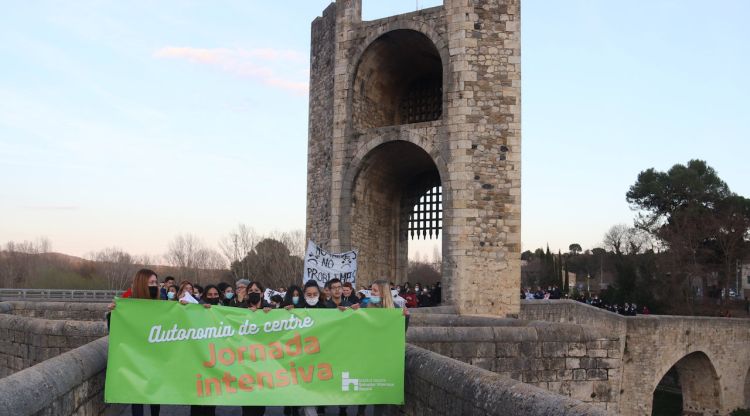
[[153, 291], [212, 301], [253, 298]]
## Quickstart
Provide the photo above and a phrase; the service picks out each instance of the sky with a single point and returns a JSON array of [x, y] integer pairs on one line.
[[127, 123]]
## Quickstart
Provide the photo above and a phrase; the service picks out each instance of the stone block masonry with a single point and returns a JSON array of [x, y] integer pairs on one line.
[[25, 342], [567, 359], [76, 311], [438, 385], [402, 104], [70, 384]]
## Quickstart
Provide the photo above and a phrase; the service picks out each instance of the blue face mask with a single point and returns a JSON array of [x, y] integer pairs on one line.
[[374, 299], [295, 299], [229, 296], [170, 295]]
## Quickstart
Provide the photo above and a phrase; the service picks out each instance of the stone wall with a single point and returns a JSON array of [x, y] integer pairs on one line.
[[77, 311], [25, 342], [69, 384], [474, 145], [438, 385], [320, 127], [709, 354], [569, 311], [572, 360]]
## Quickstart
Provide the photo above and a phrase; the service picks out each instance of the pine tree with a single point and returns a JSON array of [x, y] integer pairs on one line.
[[566, 284]]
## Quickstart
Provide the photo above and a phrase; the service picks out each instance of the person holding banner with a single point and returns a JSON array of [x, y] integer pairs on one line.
[[347, 291], [311, 299], [211, 296], [185, 287], [381, 297], [145, 286], [255, 299], [227, 294], [337, 299], [241, 287], [292, 297]]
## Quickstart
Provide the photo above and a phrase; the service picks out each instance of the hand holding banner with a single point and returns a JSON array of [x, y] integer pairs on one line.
[[168, 353]]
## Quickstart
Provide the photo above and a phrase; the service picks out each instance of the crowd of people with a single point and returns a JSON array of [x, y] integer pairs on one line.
[[254, 296], [554, 292]]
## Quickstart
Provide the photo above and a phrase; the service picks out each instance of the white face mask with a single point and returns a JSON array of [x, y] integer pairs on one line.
[[311, 301]]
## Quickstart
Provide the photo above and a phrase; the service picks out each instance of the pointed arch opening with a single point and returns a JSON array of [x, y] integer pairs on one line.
[[691, 386], [398, 80], [396, 185]]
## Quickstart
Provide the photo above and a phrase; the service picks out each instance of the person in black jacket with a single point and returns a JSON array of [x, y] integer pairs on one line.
[[337, 299], [293, 296], [311, 299], [255, 299]]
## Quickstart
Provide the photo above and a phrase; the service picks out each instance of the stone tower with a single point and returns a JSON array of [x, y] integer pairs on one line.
[[415, 129]]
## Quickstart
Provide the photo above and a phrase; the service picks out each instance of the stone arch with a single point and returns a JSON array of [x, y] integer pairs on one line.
[[399, 76], [384, 170], [698, 383]]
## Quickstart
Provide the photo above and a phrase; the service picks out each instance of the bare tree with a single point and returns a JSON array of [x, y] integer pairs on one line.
[[115, 265], [293, 240], [19, 261], [236, 245], [616, 237]]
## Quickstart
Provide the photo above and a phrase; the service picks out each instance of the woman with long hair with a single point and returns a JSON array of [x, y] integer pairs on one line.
[[381, 297], [292, 297], [185, 287], [145, 286]]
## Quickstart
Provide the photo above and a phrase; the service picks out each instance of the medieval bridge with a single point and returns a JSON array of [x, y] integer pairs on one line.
[[415, 129], [558, 358]]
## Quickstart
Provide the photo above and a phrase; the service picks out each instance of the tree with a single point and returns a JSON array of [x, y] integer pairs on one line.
[[615, 238], [115, 265], [421, 272], [575, 248], [697, 218], [271, 262], [236, 245], [191, 256]]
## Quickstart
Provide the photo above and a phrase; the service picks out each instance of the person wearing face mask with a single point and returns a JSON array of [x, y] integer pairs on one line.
[[255, 299], [381, 297], [311, 299], [292, 297], [211, 296], [254, 302], [185, 287], [197, 292], [145, 286], [172, 293], [227, 296], [240, 295]]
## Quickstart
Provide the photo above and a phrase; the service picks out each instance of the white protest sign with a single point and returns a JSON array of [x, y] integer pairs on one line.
[[269, 293], [323, 266]]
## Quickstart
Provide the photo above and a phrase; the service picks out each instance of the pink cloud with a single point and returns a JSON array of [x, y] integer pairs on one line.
[[266, 65]]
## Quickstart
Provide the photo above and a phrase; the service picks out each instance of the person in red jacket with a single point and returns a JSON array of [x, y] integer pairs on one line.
[[410, 296]]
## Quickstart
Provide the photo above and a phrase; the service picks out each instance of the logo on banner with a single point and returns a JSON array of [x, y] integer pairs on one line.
[[323, 266], [362, 384]]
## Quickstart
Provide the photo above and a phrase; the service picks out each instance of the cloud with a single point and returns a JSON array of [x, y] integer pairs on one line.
[[269, 66], [53, 208]]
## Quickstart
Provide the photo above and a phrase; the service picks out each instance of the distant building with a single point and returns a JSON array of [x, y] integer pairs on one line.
[[745, 280]]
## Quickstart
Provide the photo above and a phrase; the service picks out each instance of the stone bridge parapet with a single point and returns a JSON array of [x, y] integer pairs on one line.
[[711, 356]]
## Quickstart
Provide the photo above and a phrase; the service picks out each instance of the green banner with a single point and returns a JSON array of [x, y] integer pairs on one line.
[[162, 352]]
